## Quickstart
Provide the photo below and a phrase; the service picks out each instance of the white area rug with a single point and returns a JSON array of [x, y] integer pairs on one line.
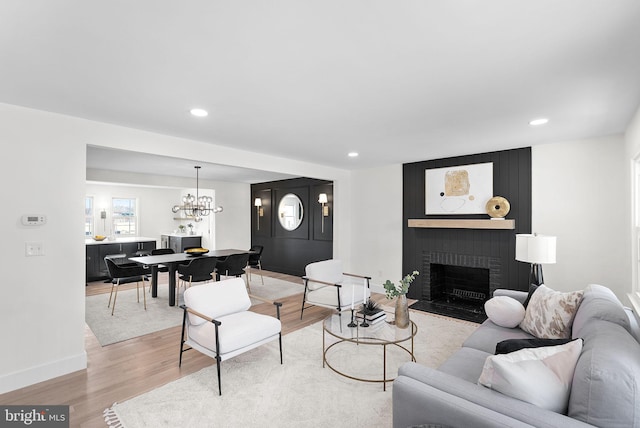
[[259, 392], [131, 320]]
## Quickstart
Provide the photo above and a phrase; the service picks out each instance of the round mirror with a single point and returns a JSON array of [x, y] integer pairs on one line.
[[290, 211]]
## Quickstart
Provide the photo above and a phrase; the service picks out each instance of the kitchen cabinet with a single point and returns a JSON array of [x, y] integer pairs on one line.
[[96, 268], [178, 243]]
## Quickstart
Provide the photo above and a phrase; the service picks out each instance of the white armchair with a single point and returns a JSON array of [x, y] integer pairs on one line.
[[326, 285], [217, 322]]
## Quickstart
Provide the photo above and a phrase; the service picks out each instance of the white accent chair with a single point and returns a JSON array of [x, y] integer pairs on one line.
[[326, 285], [217, 322]]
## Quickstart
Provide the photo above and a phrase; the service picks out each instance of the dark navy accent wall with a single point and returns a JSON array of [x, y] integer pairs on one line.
[[511, 179], [290, 251]]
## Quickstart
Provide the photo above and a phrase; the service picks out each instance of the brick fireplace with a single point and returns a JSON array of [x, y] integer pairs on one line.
[[458, 284], [461, 265]]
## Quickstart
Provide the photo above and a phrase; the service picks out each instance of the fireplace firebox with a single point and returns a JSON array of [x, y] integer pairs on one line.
[[458, 285]]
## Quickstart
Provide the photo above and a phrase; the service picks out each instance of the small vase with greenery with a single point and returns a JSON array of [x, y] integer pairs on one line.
[[399, 291], [394, 290]]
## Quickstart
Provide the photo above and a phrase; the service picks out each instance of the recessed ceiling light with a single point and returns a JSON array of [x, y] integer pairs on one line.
[[353, 154], [198, 112], [538, 122]]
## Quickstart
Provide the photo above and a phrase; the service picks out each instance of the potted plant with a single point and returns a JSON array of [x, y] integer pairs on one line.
[[190, 226], [370, 308], [181, 227]]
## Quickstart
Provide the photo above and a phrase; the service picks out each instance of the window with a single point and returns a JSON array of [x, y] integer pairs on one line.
[[88, 216], [124, 216]]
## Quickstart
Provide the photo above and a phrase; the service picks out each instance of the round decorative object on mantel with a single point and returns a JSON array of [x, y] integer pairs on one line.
[[498, 207]]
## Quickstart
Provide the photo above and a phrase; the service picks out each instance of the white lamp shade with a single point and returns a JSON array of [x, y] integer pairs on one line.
[[322, 198], [537, 249], [257, 202]]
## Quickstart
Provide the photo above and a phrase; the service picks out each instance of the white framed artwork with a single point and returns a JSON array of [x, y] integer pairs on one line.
[[463, 189]]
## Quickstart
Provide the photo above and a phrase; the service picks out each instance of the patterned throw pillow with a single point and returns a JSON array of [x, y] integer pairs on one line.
[[549, 314]]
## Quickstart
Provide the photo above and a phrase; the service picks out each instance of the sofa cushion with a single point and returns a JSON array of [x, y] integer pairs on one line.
[[465, 363], [600, 303], [504, 311], [540, 376], [606, 383], [512, 345], [550, 313], [487, 336]]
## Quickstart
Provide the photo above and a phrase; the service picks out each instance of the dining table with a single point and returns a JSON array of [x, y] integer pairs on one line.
[[171, 261]]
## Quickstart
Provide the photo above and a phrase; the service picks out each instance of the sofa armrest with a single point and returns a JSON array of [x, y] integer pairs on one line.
[[520, 296], [415, 403], [487, 398]]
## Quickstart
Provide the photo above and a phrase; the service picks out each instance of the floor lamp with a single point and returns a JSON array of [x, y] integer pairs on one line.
[[537, 250]]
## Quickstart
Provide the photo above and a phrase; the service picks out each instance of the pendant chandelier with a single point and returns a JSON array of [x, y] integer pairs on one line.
[[197, 206]]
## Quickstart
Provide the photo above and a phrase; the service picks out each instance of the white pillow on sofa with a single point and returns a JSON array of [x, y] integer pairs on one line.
[[540, 376], [504, 311]]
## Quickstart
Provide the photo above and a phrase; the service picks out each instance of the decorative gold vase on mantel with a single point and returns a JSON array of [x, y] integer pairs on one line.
[[402, 312]]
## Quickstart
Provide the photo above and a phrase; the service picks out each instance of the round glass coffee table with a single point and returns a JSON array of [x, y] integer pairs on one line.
[[381, 334]]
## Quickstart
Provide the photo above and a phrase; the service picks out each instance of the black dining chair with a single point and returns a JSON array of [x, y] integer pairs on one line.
[[125, 274], [234, 265], [255, 253], [159, 252], [199, 269]]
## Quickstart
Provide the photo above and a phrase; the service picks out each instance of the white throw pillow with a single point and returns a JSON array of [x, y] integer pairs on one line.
[[550, 313], [504, 311], [540, 376]]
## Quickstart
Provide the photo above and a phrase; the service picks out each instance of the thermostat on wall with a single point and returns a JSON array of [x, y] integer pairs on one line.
[[33, 219]]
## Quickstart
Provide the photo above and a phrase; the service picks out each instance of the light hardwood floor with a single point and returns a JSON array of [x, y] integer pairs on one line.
[[126, 369]]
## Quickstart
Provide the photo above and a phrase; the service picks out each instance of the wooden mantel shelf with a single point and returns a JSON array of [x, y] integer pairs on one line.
[[463, 224]]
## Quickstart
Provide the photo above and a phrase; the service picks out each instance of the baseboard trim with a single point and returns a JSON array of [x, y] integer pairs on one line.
[[20, 379]]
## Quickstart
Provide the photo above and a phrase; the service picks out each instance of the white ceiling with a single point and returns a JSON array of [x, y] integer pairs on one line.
[[397, 81]]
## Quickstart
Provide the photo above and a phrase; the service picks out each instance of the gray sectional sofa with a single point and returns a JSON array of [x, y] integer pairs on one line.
[[605, 391]]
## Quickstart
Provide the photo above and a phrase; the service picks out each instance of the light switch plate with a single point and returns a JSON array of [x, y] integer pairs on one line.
[[33, 249]]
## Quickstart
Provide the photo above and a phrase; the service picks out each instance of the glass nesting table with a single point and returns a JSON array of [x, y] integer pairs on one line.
[[337, 335]]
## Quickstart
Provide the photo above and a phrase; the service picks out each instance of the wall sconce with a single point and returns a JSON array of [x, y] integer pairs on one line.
[[259, 210], [322, 199]]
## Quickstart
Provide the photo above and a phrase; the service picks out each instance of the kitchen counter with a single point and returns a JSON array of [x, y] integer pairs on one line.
[[126, 240]]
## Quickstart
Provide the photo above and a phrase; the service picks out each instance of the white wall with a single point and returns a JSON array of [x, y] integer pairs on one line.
[[632, 153], [43, 171], [154, 207], [581, 195], [376, 224]]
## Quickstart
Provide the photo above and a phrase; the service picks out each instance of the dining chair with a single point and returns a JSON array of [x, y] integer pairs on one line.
[[159, 252], [218, 323], [326, 285], [255, 253], [199, 269], [125, 274], [234, 265]]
